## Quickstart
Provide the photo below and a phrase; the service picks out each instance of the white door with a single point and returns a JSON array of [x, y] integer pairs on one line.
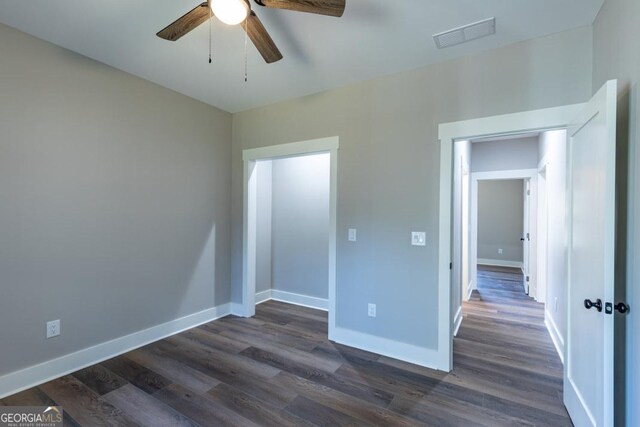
[[588, 375], [526, 236]]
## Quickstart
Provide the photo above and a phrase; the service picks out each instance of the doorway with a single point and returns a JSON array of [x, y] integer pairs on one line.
[[251, 158], [504, 307], [502, 207], [449, 133], [535, 247], [589, 241], [293, 230]]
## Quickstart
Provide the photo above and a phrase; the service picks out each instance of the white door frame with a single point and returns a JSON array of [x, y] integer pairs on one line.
[[466, 239], [545, 119], [250, 157], [530, 174], [542, 268], [529, 193]]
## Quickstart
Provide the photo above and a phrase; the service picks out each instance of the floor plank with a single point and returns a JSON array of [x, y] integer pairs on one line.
[[145, 409], [177, 372], [200, 408], [83, 404], [278, 368], [253, 408]]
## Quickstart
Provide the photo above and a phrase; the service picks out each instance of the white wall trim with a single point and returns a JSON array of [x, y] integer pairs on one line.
[[537, 120], [504, 174], [250, 156], [457, 322], [239, 310], [292, 298], [390, 348], [263, 296], [543, 163], [293, 149], [472, 287], [43, 372], [542, 228], [500, 263], [555, 334], [298, 299]]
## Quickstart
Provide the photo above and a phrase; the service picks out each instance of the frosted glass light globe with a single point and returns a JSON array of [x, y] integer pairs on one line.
[[231, 12]]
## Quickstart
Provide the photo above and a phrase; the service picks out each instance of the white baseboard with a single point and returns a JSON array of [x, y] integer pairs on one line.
[[470, 289], [237, 309], [263, 296], [38, 374], [291, 298], [421, 356], [500, 263], [457, 321], [525, 284], [556, 337], [298, 299]]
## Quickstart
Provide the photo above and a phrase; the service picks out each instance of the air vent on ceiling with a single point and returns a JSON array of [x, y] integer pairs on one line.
[[465, 33]]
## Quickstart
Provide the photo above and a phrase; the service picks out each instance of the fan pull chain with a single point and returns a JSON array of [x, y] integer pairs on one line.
[[246, 36], [210, 30]]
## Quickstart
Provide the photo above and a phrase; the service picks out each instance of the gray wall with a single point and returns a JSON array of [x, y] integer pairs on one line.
[[388, 166], [553, 151], [512, 154], [500, 219], [300, 234], [616, 35], [263, 225], [115, 202]]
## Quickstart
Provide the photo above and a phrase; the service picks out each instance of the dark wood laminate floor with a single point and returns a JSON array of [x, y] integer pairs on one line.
[[278, 369]]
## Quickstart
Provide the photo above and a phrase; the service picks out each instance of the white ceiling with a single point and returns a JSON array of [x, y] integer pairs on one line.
[[372, 39]]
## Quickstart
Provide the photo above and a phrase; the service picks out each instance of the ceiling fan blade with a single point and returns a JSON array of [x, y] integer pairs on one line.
[[186, 23], [261, 39], [320, 7]]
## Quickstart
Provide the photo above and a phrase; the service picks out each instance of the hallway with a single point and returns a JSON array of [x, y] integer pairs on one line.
[[503, 338]]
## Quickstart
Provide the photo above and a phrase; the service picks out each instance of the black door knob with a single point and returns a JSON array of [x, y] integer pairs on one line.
[[522, 239], [622, 308], [588, 304]]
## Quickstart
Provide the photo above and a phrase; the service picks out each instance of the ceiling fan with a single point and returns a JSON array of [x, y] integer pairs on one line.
[[234, 12]]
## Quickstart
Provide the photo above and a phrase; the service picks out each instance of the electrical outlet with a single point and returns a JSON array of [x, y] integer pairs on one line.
[[352, 234], [500, 251], [372, 310], [53, 328]]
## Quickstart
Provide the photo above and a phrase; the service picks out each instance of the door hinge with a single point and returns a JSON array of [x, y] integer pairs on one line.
[[527, 278], [450, 266], [528, 192], [528, 237]]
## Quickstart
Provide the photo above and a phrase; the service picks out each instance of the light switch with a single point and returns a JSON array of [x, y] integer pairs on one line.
[[352, 234], [418, 238], [371, 310]]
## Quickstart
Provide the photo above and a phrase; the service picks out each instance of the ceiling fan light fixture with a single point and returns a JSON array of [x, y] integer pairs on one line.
[[231, 12]]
